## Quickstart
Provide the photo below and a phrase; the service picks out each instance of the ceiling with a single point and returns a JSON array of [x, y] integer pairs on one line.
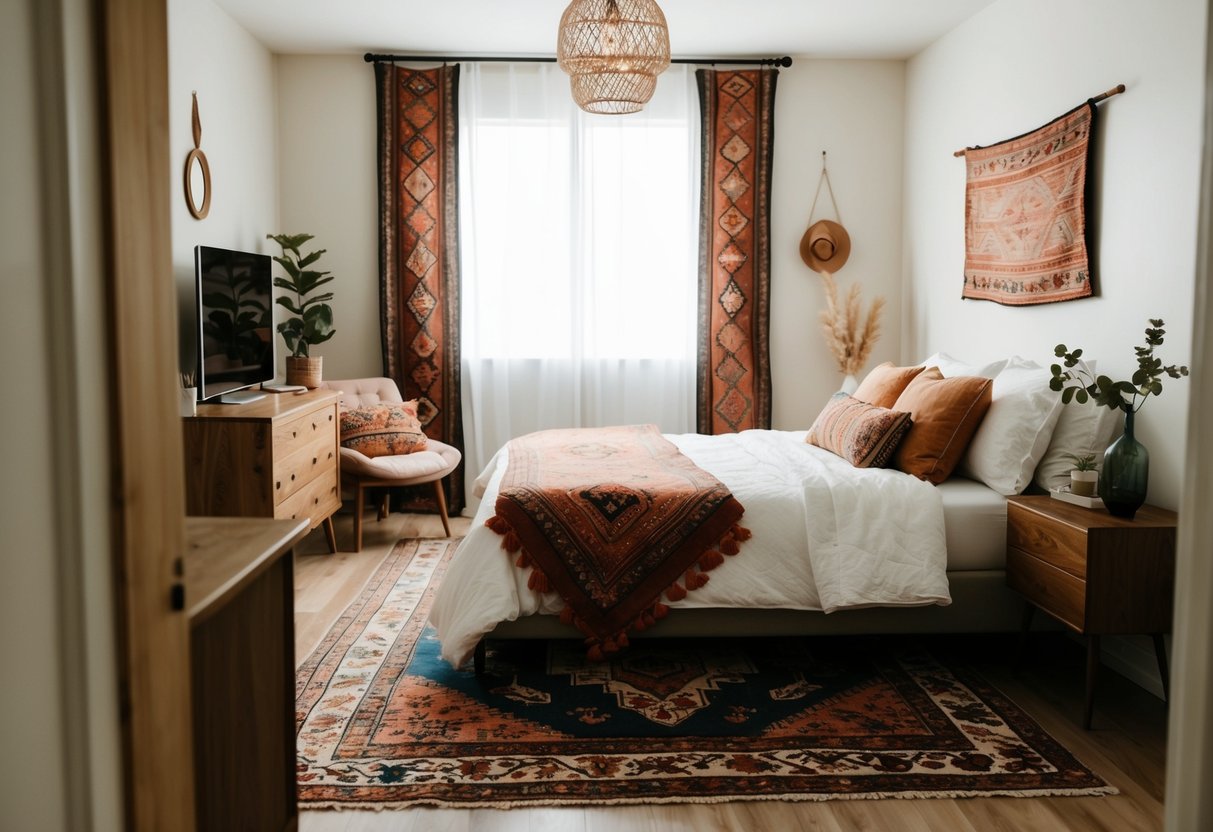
[[698, 28]]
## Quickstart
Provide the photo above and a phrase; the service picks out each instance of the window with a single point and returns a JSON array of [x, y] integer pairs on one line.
[[579, 248]]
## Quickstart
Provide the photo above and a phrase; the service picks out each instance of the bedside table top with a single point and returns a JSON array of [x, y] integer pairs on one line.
[[1148, 517]]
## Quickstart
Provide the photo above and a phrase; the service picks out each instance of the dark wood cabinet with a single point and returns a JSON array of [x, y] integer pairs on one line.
[[1097, 574], [239, 591]]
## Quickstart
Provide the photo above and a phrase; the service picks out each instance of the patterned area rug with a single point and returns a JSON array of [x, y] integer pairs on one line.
[[385, 723]]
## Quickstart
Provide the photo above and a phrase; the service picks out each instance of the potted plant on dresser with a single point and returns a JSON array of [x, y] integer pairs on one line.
[[1126, 464], [311, 320]]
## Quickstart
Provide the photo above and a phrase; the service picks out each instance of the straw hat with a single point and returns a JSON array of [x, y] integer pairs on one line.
[[825, 247]]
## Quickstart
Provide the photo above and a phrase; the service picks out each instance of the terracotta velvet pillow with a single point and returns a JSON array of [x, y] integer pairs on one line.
[[388, 429], [861, 433], [885, 383], [946, 413]]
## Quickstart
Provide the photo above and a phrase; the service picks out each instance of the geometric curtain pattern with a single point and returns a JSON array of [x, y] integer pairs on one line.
[[419, 250], [1025, 214], [734, 375]]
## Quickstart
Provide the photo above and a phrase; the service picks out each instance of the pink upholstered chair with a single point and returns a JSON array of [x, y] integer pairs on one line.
[[360, 472]]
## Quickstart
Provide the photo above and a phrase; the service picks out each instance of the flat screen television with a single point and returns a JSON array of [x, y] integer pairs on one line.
[[235, 323]]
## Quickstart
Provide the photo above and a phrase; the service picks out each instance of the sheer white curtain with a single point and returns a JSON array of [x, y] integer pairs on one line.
[[579, 247]]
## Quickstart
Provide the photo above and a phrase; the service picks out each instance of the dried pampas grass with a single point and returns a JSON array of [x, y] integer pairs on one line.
[[849, 338]]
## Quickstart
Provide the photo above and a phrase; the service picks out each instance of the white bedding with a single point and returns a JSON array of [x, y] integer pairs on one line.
[[826, 536]]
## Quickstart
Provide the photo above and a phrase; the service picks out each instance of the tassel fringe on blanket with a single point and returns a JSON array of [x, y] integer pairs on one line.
[[600, 646]]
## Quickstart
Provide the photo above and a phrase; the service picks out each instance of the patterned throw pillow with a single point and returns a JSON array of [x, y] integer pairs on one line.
[[383, 429], [863, 434]]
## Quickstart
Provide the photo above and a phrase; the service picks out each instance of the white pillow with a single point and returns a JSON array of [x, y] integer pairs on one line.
[[1015, 433], [1082, 429], [951, 367]]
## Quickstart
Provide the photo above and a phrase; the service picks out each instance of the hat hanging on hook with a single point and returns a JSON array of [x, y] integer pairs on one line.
[[826, 246]]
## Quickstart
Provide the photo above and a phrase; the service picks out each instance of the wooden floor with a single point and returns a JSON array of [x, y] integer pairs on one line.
[[1127, 745]]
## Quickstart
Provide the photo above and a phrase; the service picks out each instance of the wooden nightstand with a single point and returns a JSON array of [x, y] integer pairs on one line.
[[1097, 574]]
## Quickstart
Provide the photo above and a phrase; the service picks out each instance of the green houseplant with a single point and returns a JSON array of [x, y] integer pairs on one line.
[[1084, 475], [1126, 463], [311, 320]]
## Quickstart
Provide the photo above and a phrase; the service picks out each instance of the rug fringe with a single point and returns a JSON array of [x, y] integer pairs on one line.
[[791, 797]]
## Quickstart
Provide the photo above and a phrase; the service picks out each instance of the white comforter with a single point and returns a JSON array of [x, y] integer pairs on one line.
[[827, 536]]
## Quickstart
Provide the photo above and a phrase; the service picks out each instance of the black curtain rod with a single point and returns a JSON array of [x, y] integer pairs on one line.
[[371, 57]]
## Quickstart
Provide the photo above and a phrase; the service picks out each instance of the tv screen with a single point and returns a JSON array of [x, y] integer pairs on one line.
[[235, 322]]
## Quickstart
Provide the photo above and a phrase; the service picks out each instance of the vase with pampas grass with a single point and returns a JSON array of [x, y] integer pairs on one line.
[[849, 335]]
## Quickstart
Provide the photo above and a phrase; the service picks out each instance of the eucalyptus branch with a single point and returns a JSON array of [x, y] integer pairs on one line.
[[1077, 382]]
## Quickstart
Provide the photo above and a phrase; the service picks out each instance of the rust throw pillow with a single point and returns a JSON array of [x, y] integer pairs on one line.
[[946, 413], [863, 434], [388, 429], [885, 383]]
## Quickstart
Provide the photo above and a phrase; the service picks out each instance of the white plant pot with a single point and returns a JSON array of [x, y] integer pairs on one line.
[[189, 401], [1083, 482]]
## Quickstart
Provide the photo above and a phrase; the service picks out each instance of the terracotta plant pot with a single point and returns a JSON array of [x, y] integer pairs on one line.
[[304, 371], [1083, 482]]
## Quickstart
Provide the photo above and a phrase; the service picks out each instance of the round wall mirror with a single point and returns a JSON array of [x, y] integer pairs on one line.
[[197, 181]]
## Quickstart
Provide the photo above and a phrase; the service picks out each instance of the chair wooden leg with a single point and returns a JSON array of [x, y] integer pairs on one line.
[[385, 504], [441, 497], [359, 500], [330, 534]]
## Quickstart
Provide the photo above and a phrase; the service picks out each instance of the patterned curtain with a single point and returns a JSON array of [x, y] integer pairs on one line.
[[734, 373], [419, 251]]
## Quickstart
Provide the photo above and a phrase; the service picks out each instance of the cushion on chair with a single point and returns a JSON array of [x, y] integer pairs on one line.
[[434, 462], [387, 429]]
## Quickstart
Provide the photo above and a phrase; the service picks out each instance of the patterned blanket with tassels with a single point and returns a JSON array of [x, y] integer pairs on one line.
[[613, 519]]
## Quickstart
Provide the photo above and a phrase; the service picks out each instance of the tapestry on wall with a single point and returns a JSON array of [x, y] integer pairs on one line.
[[1025, 214], [419, 252], [734, 375]]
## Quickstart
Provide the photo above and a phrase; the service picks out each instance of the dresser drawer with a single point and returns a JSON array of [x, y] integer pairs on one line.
[[1048, 539], [1056, 592], [293, 435], [316, 500], [293, 472]]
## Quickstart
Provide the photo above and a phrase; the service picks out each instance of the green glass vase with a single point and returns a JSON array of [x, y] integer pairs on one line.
[[1125, 474]]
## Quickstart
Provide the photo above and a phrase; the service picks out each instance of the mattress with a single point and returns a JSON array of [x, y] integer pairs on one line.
[[975, 525]]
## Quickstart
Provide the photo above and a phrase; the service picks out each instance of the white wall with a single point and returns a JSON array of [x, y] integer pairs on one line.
[[32, 789], [852, 109], [60, 700], [233, 75], [1011, 68], [328, 187], [855, 111]]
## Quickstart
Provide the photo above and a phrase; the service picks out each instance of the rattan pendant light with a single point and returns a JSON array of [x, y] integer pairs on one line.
[[613, 51]]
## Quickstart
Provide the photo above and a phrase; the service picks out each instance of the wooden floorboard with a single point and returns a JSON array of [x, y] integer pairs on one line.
[[1127, 745]]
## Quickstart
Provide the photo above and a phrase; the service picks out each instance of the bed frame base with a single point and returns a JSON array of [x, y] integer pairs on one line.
[[981, 603]]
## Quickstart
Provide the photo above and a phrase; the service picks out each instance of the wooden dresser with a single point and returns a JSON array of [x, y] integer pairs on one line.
[[275, 457], [1095, 573]]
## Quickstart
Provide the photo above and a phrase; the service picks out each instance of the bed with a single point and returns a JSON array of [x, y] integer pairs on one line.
[[841, 544], [836, 550]]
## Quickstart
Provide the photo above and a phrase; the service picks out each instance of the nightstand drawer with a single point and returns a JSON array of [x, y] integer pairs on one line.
[[1053, 590], [1047, 539]]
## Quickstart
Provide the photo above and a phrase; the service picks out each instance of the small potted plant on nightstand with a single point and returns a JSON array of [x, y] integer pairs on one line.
[[312, 321], [1084, 475]]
